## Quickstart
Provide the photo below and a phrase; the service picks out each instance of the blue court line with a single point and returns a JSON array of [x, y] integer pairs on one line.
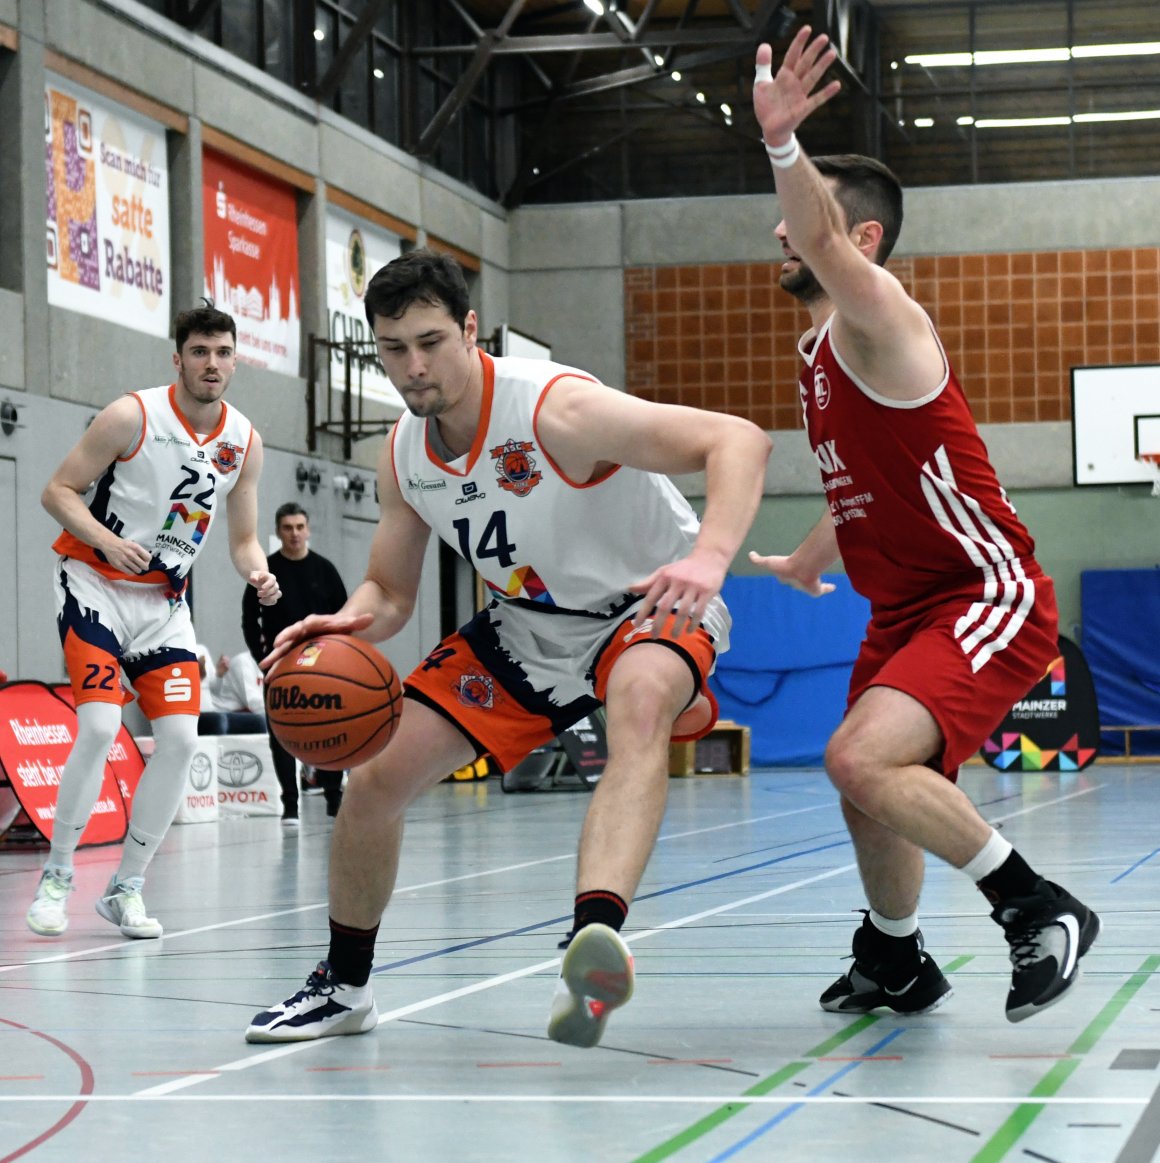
[[567, 919], [1129, 871], [753, 1136]]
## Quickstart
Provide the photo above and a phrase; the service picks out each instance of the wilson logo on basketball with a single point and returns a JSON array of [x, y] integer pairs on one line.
[[294, 698]]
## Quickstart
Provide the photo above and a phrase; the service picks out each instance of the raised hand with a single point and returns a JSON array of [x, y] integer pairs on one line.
[[782, 102]]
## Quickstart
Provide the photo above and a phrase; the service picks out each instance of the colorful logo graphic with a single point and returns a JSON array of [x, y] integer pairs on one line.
[[524, 583], [515, 467], [227, 456], [1057, 672], [1016, 752], [308, 655], [195, 517], [476, 690]]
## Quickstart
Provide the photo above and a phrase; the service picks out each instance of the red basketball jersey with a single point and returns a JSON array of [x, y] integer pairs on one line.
[[920, 514]]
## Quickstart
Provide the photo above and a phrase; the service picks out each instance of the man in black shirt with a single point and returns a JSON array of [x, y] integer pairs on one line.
[[310, 585]]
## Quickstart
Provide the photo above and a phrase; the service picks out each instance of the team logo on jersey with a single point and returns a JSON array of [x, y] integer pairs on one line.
[[227, 456], [515, 467], [476, 690], [821, 387]]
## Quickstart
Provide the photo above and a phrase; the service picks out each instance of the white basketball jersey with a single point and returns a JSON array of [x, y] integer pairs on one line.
[[166, 492], [536, 537]]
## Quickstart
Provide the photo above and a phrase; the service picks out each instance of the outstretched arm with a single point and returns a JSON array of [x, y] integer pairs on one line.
[[804, 567], [587, 427], [885, 336], [382, 604]]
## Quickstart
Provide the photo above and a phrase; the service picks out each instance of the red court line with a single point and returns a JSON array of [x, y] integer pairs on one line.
[[21, 1077], [348, 1069], [87, 1084]]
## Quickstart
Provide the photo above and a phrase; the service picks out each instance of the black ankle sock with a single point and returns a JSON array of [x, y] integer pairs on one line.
[[1013, 878], [887, 947], [599, 907], [352, 953]]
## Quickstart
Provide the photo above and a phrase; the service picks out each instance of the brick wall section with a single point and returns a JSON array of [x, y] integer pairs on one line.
[[724, 336]]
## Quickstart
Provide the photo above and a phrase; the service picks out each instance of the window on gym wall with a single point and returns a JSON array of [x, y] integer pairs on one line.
[[378, 85]]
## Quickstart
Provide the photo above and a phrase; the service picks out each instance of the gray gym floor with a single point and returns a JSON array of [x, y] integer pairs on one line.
[[111, 1048]]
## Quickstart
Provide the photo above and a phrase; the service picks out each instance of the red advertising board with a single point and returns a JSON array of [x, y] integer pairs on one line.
[[250, 227], [37, 729]]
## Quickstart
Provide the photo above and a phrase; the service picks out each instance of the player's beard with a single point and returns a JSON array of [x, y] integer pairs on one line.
[[802, 284], [204, 393], [432, 402]]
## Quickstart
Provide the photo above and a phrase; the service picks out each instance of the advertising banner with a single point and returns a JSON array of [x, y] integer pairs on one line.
[[107, 230], [1055, 726], [251, 259], [355, 249], [37, 729]]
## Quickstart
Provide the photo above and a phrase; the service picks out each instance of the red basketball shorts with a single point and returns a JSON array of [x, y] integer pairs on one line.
[[966, 660]]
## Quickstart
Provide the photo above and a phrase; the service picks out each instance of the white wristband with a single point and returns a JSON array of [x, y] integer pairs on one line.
[[784, 156]]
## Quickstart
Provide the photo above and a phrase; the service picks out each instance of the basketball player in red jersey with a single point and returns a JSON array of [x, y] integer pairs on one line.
[[963, 620], [137, 497]]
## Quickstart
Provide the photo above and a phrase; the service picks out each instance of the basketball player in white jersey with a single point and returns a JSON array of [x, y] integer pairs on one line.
[[136, 497], [963, 620], [605, 588]]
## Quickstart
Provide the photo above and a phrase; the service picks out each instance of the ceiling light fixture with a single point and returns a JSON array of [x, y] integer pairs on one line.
[[1031, 56], [923, 122], [1078, 119], [594, 6], [319, 34]]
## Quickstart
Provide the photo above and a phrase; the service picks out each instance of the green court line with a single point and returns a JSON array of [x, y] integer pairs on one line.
[[715, 1118], [1026, 1113]]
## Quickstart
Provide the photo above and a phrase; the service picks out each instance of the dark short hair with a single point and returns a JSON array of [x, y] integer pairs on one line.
[[205, 320], [419, 276], [867, 191], [289, 509]]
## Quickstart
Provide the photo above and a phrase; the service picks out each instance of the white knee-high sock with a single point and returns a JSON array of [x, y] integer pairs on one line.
[[80, 782], [159, 792]]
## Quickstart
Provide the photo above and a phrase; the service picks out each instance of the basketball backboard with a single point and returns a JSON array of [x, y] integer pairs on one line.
[[1115, 416]]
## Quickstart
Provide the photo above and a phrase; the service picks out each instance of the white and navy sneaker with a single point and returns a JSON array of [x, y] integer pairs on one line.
[[122, 906], [325, 1007], [596, 978], [48, 913], [1048, 931]]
